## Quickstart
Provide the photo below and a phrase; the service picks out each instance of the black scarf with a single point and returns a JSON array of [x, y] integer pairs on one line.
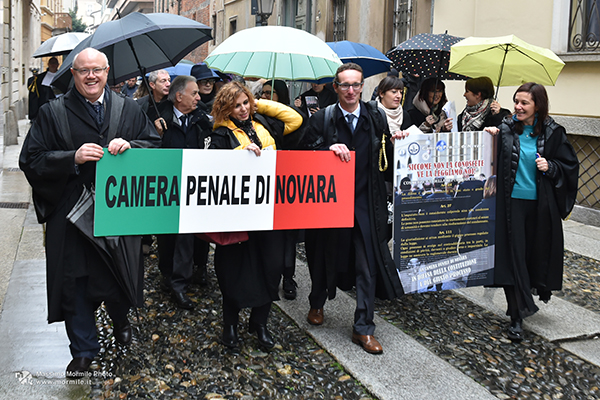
[[248, 129]]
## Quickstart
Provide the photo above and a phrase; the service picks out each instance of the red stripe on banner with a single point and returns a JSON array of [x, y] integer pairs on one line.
[[313, 189]]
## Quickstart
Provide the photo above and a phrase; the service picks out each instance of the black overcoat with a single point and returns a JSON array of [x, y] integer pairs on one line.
[[48, 161], [332, 247], [557, 189], [38, 94], [199, 128]]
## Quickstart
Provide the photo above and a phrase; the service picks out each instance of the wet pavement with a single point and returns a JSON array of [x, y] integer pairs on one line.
[[448, 345]]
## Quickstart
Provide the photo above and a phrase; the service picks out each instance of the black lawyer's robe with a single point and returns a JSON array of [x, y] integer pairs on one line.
[[49, 165], [555, 188], [332, 247]]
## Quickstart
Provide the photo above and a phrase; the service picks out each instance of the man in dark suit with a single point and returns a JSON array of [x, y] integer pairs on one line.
[[360, 253], [59, 158], [39, 88], [187, 127]]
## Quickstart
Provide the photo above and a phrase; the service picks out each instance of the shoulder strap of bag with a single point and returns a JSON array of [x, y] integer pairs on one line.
[[57, 107], [116, 109], [329, 110], [277, 134]]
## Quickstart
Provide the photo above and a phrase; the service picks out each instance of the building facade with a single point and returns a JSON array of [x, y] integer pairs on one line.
[[571, 28], [22, 31]]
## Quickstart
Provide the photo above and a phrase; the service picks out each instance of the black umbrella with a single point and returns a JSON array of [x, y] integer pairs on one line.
[[139, 43], [122, 254], [426, 55]]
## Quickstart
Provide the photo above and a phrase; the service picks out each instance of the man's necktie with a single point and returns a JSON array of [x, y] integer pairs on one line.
[[350, 119], [99, 113], [184, 120]]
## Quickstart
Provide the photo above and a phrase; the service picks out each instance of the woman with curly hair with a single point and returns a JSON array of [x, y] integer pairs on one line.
[[249, 272]]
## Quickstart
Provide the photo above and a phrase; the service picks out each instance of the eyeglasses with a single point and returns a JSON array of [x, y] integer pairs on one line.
[[86, 72], [346, 86], [206, 82]]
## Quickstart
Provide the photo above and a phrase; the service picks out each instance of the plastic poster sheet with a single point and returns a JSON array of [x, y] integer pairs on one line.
[[156, 191], [444, 210]]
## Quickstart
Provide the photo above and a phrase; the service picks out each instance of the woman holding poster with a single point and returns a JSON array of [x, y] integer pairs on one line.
[[537, 185], [249, 272]]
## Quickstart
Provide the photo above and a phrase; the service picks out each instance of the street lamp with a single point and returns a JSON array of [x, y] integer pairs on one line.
[[264, 9]]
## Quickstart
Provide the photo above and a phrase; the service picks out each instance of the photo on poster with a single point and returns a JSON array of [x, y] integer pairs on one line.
[[444, 210]]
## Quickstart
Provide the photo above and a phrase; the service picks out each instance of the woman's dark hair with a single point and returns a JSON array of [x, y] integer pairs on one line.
[[389, 83], [540, 100], [489, 188], [281, 89], [481, 85], [432, 85]]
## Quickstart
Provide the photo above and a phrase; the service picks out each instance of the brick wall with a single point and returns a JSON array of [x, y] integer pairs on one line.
[[198, 10]]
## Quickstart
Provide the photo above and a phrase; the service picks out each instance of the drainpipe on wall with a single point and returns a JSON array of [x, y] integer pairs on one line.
[[431, 19]]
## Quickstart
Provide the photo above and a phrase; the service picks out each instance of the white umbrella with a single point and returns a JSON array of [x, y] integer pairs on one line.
[[275, 52], [60, 45]]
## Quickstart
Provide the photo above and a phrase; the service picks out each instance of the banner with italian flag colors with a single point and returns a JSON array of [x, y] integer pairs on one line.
[[158, 191]]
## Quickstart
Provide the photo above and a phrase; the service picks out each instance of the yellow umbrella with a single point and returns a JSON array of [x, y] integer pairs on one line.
[[506, 60]]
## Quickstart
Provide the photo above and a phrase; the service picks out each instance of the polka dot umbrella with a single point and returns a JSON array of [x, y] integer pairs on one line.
[[426, 55]]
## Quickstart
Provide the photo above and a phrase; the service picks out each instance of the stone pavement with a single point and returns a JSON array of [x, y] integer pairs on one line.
[[33, 354]]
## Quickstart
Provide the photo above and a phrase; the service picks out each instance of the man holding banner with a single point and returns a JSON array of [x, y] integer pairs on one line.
[[352, 128], [59, 158]]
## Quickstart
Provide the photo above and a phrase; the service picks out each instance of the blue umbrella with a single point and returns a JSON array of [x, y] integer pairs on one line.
[[183, 67], [371, 60]]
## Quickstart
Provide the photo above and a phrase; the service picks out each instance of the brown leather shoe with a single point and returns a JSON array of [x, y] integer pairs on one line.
[[368, 343], [315, 316]]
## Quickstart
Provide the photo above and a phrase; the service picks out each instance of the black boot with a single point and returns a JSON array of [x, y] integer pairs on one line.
[[200, 277], [262, 334], [515, 330], [230, 336]]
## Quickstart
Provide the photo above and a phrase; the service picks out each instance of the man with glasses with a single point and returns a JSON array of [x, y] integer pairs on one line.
[[159, 82], [356, 256], [59, 158]]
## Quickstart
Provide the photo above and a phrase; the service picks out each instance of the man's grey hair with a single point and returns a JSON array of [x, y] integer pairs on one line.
[[153, 76], [94, 51], [178, 86]]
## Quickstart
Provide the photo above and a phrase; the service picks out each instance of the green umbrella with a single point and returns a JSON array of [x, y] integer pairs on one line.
[[275, 52], [506, 60]]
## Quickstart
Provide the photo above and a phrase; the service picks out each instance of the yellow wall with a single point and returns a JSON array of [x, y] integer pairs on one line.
[[577, 88]]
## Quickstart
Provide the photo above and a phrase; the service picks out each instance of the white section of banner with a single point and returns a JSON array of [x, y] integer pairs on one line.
[[213, 189]]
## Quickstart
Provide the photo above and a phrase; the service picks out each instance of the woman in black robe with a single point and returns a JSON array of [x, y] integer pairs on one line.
[[537, 185], [249, 272]]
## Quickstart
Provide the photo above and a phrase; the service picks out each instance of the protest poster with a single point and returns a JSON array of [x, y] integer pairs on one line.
[[444, 210], [158, 191]]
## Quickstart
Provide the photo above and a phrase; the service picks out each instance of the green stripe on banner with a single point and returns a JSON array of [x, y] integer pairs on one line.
[[134, 183]]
